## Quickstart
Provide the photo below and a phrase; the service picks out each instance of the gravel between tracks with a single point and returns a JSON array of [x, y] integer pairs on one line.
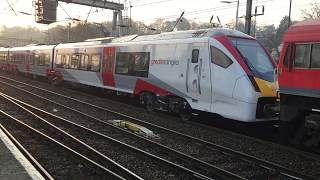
[[52, 159]]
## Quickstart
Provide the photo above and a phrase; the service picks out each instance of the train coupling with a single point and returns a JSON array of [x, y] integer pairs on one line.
[[271, 109], [135, 128]]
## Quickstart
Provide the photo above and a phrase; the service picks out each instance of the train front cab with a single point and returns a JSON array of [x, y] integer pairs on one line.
[[254, 91], [299, 72]]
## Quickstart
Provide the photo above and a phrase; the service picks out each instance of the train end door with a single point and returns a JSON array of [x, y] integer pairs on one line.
[[109, 54]]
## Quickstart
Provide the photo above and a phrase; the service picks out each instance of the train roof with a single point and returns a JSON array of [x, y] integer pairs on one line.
[[4, 49], [178, 35], [304, 31], [32, 47], [191, 34]]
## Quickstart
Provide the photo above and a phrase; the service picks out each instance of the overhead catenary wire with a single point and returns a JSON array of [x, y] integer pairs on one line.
[[151, 3], [201, 11], [15, 13], [90, 11], [64, 9]]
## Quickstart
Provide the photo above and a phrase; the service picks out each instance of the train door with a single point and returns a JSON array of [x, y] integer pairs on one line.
[[108, 66], [198, 83]]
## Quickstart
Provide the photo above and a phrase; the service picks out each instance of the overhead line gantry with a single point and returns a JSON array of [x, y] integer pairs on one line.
[[46, 11]]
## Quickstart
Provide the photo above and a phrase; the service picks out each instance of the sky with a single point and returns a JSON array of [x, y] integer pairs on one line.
[[148, 11]]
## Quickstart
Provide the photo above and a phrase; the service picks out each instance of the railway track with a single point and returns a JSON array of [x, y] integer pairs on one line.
[[44, 173], [17, 117], [93, 144], [208, 157]]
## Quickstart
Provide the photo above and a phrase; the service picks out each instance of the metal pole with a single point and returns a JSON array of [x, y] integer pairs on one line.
[[69, 28], [289, 22], [114, 23], [237, 15], [248, 17]]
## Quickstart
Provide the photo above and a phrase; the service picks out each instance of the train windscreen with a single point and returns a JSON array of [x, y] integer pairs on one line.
[[255, 57]]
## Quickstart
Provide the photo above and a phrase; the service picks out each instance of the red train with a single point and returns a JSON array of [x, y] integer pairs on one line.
[[299, 84]]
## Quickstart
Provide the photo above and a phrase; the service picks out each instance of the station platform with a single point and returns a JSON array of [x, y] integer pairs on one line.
[[13, 165]]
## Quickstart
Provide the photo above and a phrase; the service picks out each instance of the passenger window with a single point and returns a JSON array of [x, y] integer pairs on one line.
[[84, 62], [219, 58], [195, 56], [302, 56], [31, 60], [75, 60], [133, 63], [41, 60], [315, 56], [141, 62], [65, 61], [47, 60], [59, 61], [95, 63], [122, 63]]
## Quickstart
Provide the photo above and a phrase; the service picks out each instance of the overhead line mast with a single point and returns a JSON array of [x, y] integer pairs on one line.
[[247, 26]]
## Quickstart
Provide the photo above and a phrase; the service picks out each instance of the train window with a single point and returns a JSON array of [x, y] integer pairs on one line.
[[141, 64], [95, 62], [219, 58], [42, 60], [122, 66], [66, 61], [133, 63], [62, 61], [141, 61], [195, 56], [36, 59], [47, 59], [287, 56], [31, 60], [59, 61], [2, 57], [84, 63], [75, 60], [302, 56], [17, 58], [315, 56]]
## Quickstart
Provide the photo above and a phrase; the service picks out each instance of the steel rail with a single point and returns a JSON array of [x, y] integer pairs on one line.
[[124, 172], [175, 165], [27, 155], [68, 150]]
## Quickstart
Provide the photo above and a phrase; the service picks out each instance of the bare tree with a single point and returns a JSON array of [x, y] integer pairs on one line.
[[313, 12]]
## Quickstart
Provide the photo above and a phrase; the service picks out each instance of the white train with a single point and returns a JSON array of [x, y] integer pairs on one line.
[[218, 71]]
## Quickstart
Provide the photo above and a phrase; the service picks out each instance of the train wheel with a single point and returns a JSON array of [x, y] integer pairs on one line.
[[148, 100], [186, 112]]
